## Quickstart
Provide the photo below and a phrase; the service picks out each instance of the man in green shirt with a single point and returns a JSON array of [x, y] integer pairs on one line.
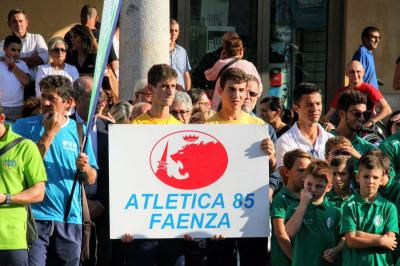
[[313, 223], [391, 146], [22, 177], [352, 109], [369, 222], [294, 166]]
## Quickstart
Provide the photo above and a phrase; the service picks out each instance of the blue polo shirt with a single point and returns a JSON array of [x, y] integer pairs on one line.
[[179, 60], [60, 164], [366, 58]]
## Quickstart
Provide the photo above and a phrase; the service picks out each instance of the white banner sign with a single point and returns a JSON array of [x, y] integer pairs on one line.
[[201, 180]]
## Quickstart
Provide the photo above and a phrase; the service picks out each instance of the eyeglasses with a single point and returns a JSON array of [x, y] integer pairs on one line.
[[58, 50], [253, 94], [182, 113], [357, 114]]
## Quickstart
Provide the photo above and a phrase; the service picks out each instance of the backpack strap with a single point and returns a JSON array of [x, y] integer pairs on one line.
[[234, 60], [10, 145]]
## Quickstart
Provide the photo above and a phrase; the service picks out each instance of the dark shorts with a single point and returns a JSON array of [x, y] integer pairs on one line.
[[17, 257], [58, 244]]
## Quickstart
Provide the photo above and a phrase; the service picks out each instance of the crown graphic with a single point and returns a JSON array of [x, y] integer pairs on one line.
[[191, 138]]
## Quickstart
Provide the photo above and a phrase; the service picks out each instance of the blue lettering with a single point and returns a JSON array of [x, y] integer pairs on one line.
[[132, 202], [146, 200], [154, 220], [201, 203], [194, 200], [169, 221], [171, 200], [224, 221], [185, 198], [212, 216], [155, 206], [195, 219], [219, 201], [183, 221]]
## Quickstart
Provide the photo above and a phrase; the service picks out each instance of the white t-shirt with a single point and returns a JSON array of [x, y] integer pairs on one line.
[[293, 139], [69, 71], [11, 90], [30, 44]]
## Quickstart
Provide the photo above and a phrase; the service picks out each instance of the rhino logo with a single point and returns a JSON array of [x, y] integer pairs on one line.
[[188, 159]]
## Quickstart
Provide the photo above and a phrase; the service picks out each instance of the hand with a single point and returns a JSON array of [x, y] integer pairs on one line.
[[330, 255], [305, 197], [95, 208], [217, 238], [52, 122], [126, 238], [369, 123], [346, 150], [82, 162], [187, 237], [10, 62], [328, 126], [109, 117], [388, 242], [268, 146]]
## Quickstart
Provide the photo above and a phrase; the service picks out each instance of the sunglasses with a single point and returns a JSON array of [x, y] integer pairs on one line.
[[58, 50], [181, 113], [357, 114]]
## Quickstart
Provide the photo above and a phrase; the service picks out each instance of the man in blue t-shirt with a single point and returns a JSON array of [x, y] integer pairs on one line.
[[370, 38], [57, 138]]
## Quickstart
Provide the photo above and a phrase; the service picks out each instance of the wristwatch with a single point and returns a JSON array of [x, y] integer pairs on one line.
[[7, 202]]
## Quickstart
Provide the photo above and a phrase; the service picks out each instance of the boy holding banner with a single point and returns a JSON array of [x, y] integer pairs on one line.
[[233, 92]]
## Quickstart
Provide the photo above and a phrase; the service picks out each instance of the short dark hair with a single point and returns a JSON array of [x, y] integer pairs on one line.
[[349, 98], [343, 159], [384, 158], [60, 84], [367, 31], [235, 74], [274, 103], [159, 73], [320, 169], [233, 46], [291, 156], [195, 94], [13, 12], [11, 39], [334, 143], [371, 161], [390, 123], [304, 88]]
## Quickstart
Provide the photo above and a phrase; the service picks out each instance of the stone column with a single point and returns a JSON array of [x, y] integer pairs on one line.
[[144, 40]]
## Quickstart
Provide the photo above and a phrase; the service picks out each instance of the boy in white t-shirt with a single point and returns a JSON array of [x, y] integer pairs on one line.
[[14, 75]]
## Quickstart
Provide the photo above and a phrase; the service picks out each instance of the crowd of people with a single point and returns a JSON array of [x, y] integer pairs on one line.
[[334, 196]]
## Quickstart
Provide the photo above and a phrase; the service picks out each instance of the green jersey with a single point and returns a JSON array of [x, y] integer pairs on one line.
[[279, 207], [391, 146], [377, 217], [21, 167], [319, 231], [335, 200]]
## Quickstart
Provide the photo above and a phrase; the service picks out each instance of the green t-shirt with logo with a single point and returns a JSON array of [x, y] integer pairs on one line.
[[20, 168], [377, 217], [319, 231], [335, 200], [391, 146], [279, 207]]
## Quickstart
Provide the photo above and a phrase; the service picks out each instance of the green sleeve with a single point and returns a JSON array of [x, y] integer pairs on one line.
[[290, 211], [278, 208], [347, 221], [392, 224], [390, 150], [34, 170]]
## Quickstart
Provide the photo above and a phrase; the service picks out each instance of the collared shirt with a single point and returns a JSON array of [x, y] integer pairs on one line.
[[391, 146], [377, 217], [366, 58], [31, 43], [391, 192], [319, 231], [179, 60], [293, 139]]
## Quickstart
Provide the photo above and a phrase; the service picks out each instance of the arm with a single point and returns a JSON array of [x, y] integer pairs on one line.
[[33, 60], [115, 67], [52, 124], [293, 225], [396, 79], [358, 242], [331, 254], [89, 173], [22, 77], [384, 108], [281, 236], [188, 81], [33, 194]]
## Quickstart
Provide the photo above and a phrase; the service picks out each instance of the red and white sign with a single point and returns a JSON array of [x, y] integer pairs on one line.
[[202, 180]]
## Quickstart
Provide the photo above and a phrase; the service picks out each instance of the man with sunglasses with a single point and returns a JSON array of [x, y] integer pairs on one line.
[[370, 38], [355, 72], [352, 109]]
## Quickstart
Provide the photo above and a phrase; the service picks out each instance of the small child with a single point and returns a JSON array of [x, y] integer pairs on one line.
[[313, 223], [13, 77], [295, 164], [369, 222], [343, 175]]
